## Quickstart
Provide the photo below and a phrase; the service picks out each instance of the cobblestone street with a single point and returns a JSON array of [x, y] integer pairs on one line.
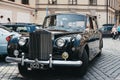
[[105, 67]]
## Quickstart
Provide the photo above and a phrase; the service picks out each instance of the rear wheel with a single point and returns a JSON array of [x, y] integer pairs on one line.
[[119, 37], [99, 54]]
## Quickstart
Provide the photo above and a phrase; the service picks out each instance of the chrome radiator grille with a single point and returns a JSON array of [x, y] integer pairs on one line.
[[40, 45]]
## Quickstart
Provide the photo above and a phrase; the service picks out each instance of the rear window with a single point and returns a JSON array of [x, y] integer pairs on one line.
[[17, 28], [109, 28], [21, 29], [3, 30]]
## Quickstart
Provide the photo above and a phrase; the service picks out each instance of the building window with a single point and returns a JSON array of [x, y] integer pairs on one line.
[[25, 1], [52, 1], [12, 0], [73, 2], [93, 2]]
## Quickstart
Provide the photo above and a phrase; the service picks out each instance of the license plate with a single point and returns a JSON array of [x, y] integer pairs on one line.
[[34, 65]]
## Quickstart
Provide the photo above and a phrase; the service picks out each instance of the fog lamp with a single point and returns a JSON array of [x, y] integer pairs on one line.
[[73, 48], [16, 53], [65, 55]]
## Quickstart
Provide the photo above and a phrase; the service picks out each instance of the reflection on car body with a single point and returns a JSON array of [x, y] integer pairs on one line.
[[63, 41]]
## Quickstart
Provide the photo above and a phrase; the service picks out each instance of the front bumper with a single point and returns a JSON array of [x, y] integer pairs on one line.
[[50, 62]]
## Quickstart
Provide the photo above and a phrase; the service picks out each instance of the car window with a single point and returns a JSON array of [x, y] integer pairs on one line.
[[31, 28], [9, 27], [105, 28], [95, 26], [109, 28], [102, 29], [4, 31], [21, 29]]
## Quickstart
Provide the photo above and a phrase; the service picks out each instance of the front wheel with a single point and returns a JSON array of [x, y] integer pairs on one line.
[[84, 58], [23, 70]]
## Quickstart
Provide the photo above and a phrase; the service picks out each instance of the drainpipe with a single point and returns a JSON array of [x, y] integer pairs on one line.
[[36, 9], [107, 11]]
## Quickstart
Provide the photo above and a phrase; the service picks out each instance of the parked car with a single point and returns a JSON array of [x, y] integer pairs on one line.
[[5, 36], [22, 27], [66, 40], [106, 30]]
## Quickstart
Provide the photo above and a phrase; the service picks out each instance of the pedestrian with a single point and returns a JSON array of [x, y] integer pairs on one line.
[[1, 19], [118, 30], [9, 21], [114, 31]]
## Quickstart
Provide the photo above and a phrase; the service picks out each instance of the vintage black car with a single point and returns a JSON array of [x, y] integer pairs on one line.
[[66, 40]]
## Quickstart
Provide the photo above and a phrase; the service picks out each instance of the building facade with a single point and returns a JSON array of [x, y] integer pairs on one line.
[[34, 11], [22, 11], [104, 10]]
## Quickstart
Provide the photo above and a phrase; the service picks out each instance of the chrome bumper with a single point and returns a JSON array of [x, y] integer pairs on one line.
[[50, 62]]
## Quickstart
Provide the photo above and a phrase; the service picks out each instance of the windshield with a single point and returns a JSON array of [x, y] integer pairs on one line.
[[67, 22]]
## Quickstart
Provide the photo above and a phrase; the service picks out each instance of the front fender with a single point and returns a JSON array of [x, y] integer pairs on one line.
[[81, 49], [12, 45]]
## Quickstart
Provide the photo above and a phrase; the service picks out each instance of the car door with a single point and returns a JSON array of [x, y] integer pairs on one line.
[[91, 40], [96, 36], [3, 42]]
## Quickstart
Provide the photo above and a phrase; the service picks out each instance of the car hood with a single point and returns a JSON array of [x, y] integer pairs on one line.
[[62, 32], [57, 31]]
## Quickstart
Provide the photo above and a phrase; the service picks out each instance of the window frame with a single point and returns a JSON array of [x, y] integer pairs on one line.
[[26, 2], [52, 2], [94, 22], [72, 2], [93, 2]]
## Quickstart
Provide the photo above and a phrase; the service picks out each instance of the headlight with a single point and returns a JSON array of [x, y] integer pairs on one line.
[[60, 42], [22, 41]]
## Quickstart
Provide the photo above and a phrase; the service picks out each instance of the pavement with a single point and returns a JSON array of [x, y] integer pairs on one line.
[[105, 67]]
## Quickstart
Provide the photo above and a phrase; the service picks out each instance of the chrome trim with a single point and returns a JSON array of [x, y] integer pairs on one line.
[[50, 63], [22, 63]]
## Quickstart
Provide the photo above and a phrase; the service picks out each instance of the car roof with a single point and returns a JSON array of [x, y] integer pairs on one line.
[[67, 14], [16, 24], [108, 24]]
